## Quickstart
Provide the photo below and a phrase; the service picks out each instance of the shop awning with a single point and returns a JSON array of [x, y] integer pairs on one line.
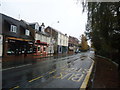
[[39, 42], [18, 39]]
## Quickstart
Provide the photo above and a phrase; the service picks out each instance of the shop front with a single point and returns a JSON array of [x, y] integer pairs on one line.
[[17, 46], [64, 49], [59, 49], [17, 51], [41, 49]]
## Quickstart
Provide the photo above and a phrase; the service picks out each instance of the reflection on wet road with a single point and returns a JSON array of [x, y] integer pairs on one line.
[[64, 72]]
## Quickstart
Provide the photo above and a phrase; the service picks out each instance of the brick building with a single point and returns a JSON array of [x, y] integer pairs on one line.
[[73, 44]]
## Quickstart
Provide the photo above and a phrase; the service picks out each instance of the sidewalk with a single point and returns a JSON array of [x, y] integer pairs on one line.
[[106, 74]]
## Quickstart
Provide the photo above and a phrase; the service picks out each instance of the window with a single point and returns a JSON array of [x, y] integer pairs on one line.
[[44, 49], [27, 32], [39, 49], [37, 27], [13, 28]]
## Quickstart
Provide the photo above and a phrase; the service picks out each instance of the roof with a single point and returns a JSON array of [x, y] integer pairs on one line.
[[43, 33], [56, 30]]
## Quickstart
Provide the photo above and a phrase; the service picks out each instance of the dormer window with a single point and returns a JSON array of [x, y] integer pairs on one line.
[[27, 32], [13, 28], [37, 27]]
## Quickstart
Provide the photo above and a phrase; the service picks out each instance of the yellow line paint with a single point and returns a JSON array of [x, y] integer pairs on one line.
[[65, 75], [14, 87], [35, 79], [52, 71], [77, 76], [71, 76], [85, 82]]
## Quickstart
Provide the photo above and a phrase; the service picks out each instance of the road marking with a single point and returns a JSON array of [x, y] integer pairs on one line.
[[61, 74], [7, 69], [15, 67], [23, 65], [52, 71], [71, 76], [77, 77], [35, 79], [14, 87], [79, 70], [85, 82], [66, 75]]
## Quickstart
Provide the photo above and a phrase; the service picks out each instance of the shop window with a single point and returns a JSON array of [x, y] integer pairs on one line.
[[44, 49], [27, 32], [30, 50], [34, 49], [60, 49], [13, 28], [39, 49]]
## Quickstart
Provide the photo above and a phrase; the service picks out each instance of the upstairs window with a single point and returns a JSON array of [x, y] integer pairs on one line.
[[13, 28], [27, 32]]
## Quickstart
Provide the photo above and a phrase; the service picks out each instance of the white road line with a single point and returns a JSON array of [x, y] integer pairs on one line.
[[15, 67]]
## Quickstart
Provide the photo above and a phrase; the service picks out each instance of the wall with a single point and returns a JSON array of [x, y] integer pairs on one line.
[[62, 40], [0, 24], [1, 46], [1, 38]]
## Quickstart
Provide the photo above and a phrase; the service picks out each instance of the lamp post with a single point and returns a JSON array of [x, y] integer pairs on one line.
[[51, 41]]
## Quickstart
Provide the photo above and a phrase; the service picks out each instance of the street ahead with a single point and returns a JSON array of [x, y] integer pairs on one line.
[[64, 72]]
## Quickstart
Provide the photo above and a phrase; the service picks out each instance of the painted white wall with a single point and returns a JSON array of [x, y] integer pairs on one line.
[[1, 45], [62, 39], [46, 39], [42, 38]]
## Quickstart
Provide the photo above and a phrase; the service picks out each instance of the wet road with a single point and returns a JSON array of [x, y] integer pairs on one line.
[[64, 72]]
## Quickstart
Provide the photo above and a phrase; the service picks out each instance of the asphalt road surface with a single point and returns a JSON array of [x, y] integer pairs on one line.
[[64, 72]]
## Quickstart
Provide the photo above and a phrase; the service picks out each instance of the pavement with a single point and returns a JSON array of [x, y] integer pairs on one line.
[[105, 75]]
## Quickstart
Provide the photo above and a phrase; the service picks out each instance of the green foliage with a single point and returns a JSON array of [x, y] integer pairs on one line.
[[103, 27]]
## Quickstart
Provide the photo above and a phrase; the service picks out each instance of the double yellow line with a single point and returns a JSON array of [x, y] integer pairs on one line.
[[32, 80], [15, 88]]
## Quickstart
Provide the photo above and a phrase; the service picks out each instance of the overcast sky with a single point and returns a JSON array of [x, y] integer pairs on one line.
[[69, 14]]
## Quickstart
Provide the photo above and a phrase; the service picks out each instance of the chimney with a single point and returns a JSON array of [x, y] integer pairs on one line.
[[42, 27]]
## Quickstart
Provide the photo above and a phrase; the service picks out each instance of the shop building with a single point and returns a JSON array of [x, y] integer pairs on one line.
[[60, 41], [1, 45], [42, 40], [18, 40], [1, 37], [73, 45]]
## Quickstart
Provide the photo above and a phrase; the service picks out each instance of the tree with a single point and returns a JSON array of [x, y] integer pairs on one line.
[[103, 28], [84, 44]]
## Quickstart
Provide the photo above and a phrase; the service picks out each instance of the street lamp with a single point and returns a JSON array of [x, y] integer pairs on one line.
[[52, 41]]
